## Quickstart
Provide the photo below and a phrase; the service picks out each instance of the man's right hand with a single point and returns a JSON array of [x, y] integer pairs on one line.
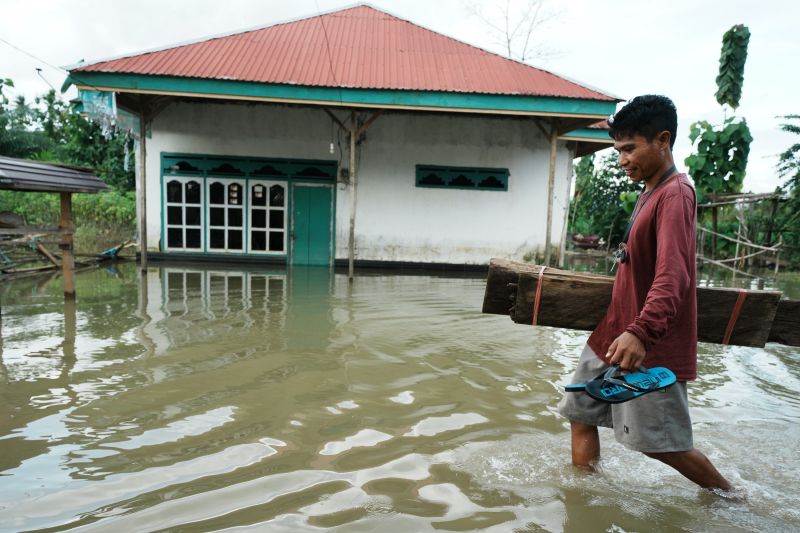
[[627, 351]]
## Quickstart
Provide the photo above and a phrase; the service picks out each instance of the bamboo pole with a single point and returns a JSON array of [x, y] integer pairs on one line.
[[67, 226], [733, 269], [551, 178], [744, 243]]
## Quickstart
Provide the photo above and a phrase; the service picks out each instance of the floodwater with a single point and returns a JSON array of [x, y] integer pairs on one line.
[[204, 399]]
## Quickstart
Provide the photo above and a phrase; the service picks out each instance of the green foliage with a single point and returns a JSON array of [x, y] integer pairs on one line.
[[43, 209], [50, 130], [107, 208], [16, 137], [604, 198], [787, 218], [719, 164], [628, 199], [101, 220], [731, 65], [83, 142], [36, 208], [789, 161]]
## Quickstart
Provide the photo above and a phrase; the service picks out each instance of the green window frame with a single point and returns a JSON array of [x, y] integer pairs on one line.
[[249, 217], [465, 178]]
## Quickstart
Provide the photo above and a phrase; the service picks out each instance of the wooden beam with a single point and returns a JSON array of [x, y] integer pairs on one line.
[[66, 246], [786, 325], [32, 230], [551, 178], [355, 133], [335, 119], [576, 300], [336, 103], [353, 197], [141, 185], [539, 125], [562, 247], [369, 122], [45, 252]]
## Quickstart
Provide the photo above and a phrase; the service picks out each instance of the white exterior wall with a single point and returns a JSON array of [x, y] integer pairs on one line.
[[395, 220]]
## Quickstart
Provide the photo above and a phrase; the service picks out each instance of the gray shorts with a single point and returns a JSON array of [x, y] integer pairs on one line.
[[653, 423]]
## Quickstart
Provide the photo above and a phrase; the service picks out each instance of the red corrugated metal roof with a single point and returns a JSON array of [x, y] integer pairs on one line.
[[359, 47]]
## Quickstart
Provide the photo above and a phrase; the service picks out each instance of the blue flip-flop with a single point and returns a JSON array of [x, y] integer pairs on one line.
[[581, 387], [617, 388]]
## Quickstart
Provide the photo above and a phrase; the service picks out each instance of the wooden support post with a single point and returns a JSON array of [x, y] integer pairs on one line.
[[70, 327], [353, 197], [67, 227], [141, 188], [714, 235], [701, 242], [563, 246], [355, 134], [551, 178]]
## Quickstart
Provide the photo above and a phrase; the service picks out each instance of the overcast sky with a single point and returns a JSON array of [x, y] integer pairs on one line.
[[625, 47]]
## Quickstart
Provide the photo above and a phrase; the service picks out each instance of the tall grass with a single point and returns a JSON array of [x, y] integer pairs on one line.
[[101, 220]]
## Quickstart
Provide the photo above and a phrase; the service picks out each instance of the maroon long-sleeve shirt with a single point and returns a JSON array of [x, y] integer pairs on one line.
[[654, 295]]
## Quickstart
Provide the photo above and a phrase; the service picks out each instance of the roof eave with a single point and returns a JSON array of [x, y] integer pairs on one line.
[[499, 104]]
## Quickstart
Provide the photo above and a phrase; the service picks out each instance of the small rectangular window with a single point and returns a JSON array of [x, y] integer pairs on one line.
[[470, 178]]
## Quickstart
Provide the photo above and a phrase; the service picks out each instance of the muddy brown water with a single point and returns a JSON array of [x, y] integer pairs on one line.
[[205, 399]]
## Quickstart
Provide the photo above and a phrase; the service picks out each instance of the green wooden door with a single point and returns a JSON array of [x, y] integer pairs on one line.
[[312, 225]]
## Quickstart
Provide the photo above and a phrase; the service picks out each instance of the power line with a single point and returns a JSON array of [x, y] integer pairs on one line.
[[39, 73], [38, 70], [40, 60]]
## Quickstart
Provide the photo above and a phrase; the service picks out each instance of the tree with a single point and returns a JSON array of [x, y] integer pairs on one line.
[[84, 142], [18, 137], [602, 202], [788, 217], [514, 25], [720, 162], [51, 130], [731, 65]]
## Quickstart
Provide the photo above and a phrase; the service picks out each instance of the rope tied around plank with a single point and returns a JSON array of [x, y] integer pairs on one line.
[[538, 298], [737, 309]]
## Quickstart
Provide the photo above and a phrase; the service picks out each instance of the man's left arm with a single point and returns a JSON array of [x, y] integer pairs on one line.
[[674, 258]]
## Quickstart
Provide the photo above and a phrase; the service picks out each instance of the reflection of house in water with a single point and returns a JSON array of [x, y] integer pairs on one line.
[[275, 310]]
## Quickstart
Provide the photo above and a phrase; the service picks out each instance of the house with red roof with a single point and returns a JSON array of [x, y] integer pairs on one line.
[[353, 136]]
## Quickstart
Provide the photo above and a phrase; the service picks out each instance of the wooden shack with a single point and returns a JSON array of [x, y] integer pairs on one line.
[[33, 176]]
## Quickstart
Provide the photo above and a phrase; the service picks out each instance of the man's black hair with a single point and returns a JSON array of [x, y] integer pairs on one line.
[[646, 115]]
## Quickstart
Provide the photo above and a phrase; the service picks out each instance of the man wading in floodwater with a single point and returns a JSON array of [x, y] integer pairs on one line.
[[652, 318]]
